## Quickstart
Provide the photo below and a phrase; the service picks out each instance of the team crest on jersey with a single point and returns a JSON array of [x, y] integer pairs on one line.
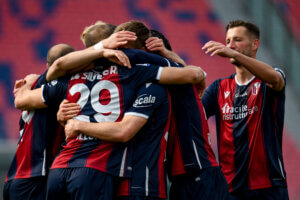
[[226, 94], [255, 88], [144, 100]]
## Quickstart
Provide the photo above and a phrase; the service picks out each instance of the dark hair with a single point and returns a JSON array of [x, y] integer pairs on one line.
[[98, 33], [155, 33], [139, 28], [58, 51], [252, 28]]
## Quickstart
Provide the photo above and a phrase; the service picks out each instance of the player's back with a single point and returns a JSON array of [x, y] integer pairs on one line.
[[103, 93], [189, 149], [149, 144]]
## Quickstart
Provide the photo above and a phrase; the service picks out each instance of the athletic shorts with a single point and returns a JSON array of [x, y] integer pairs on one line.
[[273, 193], [209, 184], [28, 188], [137, 198], [79, 184]]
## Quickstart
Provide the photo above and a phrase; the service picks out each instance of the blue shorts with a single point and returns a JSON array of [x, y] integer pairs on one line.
[[28, 188], [209, 184], [79, 184], [273, 193]]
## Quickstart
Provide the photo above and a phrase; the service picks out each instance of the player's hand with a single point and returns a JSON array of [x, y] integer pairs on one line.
[[30, 79], [156, 44], [67, 110], [71, 129], [117, 56], [118, 39], [217, 48], [18, 84]]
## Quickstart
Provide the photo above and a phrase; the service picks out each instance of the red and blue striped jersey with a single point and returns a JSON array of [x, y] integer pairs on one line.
[[149, 145], [249, 122], [103, 93], [40, 140], [189, 148]]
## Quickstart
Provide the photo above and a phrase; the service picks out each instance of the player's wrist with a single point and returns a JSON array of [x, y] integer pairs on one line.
[[99, 45]]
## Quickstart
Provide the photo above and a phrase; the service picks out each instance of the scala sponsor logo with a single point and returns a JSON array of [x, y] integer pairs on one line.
[[144, 100], [238, 112]]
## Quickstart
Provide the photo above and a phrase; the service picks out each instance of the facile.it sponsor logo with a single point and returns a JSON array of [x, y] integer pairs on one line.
[[237, 112]]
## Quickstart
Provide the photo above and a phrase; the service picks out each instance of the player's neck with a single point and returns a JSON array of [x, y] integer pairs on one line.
[[243, 75]]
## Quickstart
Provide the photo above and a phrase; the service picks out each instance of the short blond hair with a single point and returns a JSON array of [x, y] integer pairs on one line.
[[87, 28]]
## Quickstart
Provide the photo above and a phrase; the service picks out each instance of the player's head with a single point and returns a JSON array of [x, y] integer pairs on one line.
[[155, 33], [140, 29], [58, 51], [97, 33], [243, 37], [87, 28]]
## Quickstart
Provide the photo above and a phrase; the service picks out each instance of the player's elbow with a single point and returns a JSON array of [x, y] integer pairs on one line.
[[277, 83], [124, 135], [196, 75], [19, 104]]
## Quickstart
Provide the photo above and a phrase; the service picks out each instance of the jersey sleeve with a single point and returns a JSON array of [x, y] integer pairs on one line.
[[41, 80], [148, 99], [138, 57], [281, 72], [54, 91], [210, 99]]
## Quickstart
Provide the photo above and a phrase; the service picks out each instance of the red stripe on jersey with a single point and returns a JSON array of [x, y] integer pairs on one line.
[[124, 188], [174, 150], [23, 157], [258, 173], [205, 131], [98, 158], [226, 147], [62, 160], [162, 154]]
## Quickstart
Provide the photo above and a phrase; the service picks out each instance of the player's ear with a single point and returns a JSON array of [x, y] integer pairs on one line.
[[255, 44]]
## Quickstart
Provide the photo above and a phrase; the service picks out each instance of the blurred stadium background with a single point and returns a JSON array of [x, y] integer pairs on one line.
[[29, 28]]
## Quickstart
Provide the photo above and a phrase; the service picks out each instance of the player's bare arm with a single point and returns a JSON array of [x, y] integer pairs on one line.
[[27, 99], [155, 44], [260, 69], [79, 60], [121, 131], [186, 75]]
